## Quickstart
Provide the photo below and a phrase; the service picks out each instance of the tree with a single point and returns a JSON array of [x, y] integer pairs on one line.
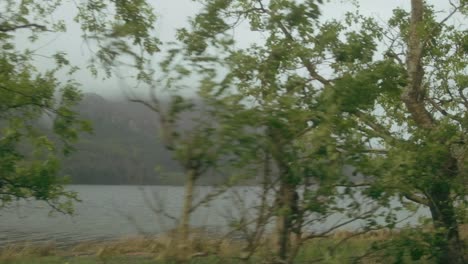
[[422, 122], [397, 115], [282, 101], [31, 96], [191, 131]]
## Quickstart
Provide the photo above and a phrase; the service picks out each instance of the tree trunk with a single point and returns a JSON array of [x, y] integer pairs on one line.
[[187, 208], [286, 198], [440, 203], [286, 205], [413, 94], [448, 242]]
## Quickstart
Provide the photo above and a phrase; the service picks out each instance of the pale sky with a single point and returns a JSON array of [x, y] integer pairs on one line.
[[173, 14]]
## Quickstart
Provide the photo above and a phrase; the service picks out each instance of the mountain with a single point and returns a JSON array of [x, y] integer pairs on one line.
[[123, 148]]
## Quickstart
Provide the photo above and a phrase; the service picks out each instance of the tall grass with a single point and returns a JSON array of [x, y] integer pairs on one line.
[[341, 247]]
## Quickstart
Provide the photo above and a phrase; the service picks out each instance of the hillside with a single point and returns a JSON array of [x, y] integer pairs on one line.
[[123, 148]]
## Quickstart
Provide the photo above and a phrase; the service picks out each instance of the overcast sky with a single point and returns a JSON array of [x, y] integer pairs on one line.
[[173, 14]]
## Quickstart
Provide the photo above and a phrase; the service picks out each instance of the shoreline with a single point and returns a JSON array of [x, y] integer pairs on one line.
[[207, 250]]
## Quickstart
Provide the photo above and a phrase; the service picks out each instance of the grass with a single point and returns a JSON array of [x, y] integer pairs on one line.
[[144, 251], [167, 250], [78, 260]]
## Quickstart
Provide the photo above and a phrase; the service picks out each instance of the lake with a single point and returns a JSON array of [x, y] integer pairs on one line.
[[108, 212]]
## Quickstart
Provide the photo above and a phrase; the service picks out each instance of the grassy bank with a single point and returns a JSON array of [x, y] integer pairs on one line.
[[342, 247]]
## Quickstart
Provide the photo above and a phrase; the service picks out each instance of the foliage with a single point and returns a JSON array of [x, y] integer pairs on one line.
[[30, 96], [388, 99], [311, 97], [272, 104]]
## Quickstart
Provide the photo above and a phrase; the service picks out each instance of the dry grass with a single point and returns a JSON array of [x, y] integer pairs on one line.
[[167, 247], [27, 250], [163, 247]]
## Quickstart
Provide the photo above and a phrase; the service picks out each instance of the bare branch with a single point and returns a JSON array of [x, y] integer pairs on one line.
[[442, 111], [56, 208], [327, 232], [377, 128], [8, 28], [166, 127], [454, 11], [145, 103], [417, 199], [353, 185], [463, 97]]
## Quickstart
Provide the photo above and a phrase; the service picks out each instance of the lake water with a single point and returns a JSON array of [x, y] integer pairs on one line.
[[108, 212]]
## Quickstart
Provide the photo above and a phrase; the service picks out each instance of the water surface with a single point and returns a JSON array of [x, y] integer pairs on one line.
[[108, 212]]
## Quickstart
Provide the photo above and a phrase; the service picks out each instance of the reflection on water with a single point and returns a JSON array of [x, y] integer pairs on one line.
[[117, 211]]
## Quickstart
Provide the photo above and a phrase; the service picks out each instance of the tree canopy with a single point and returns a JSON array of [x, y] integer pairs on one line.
[[28, 153], [313, 96], [389, 98]]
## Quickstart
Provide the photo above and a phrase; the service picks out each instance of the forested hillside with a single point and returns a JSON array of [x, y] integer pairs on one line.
[[123, 148]]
